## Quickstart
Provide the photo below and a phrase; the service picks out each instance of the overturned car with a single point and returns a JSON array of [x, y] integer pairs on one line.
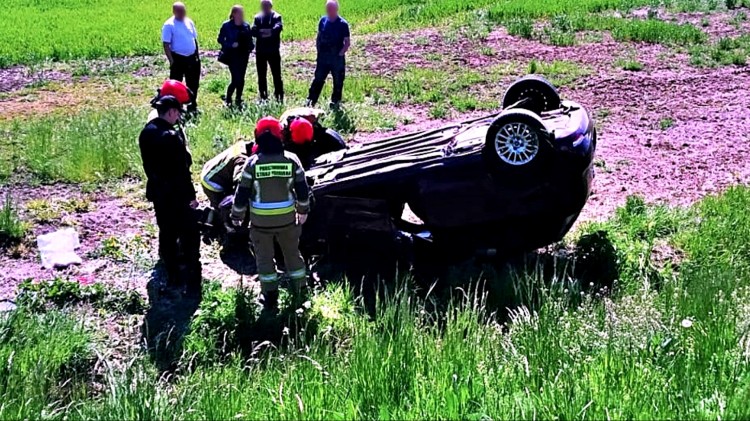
[[507, 182]]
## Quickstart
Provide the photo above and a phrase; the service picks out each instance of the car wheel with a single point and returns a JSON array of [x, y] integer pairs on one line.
[[533, 93], [334, 138], [517, 139]]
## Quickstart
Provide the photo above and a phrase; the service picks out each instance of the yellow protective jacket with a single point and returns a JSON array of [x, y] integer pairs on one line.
[[220, 174], [274, 189]]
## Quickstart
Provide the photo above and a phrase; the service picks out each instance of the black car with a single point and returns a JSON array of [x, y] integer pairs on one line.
[[508, 182]]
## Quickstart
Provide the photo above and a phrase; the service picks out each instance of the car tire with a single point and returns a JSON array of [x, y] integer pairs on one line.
[[335, 138], [517, 140], [533, 93]]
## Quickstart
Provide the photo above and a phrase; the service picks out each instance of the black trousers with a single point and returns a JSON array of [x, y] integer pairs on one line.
[[262, 62], [237, 70], [326, 64], [179, 241], [187, 68]]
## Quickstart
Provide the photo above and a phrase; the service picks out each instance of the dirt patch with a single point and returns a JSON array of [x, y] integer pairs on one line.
[[119, 213], [19, 77], [672, 133]]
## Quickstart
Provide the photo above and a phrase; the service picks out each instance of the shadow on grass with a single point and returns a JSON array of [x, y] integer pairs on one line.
[[230, 321], [166, 321]]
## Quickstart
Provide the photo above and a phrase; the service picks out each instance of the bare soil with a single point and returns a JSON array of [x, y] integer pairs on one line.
[[672, 133]]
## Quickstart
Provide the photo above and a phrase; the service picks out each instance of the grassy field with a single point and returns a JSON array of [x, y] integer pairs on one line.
[[670, 341], [99, 144], [643, 316], [95, 28]]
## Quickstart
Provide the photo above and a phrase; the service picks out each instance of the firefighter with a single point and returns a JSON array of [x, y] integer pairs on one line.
[[273, 186], [306, 137], [220, 177], [174, 88], [169, 186]]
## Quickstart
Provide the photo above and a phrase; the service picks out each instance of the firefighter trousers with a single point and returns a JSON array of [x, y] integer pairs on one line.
[[287, 238]]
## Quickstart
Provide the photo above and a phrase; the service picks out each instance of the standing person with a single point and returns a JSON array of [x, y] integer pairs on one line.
[[166, 162], [332, 43], [273, 184], [267, 29], [180, 39], [236, 42]]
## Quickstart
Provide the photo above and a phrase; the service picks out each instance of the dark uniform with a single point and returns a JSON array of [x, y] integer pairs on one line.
[[274, 188], [166, 162], [324, 140], [330, 42], [268, 53]]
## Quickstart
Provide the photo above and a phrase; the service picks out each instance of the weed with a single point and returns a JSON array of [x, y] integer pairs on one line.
[[725, 52], [438, 111], [487, 51], [629, 64], [12, 229], [60, 293], [559, 72], [43, 211], [523, 28], [666, 123]]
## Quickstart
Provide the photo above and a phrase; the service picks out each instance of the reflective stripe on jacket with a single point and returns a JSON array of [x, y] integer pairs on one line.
[[274, 188], [224, 170]]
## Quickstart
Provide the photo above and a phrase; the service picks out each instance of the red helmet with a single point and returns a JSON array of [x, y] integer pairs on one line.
[[177, 89], [269, 125], [301, 130]]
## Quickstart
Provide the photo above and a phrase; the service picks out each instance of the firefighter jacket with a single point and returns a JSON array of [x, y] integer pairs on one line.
[[166, 162], [220, 174], [274, 188]]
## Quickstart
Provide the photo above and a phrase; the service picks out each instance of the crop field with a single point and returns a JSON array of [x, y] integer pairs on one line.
[[641, 312]]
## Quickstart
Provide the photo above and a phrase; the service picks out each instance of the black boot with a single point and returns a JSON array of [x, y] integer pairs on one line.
[[270, 301]]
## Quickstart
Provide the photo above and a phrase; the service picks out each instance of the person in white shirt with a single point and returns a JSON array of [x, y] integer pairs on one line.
[[180, 40]]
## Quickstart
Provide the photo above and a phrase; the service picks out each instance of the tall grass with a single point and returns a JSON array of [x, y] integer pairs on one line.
[[45, 362], [11, 227], [663, 344]]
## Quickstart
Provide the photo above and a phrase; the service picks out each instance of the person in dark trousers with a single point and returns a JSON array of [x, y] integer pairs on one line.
[[332, 43], [267, 31], [236, 42], [166, 162], [274, 190], [180, 39]]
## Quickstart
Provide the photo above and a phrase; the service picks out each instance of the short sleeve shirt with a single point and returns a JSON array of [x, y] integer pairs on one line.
[[331, 34], [180, 35]]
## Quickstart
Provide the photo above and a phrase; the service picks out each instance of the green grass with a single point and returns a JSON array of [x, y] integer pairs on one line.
[[629, 63], [724, 52], [669, 340], [97, 144], [666, 122], [12, 229], [84, 29], [98, 29], [46, 360]]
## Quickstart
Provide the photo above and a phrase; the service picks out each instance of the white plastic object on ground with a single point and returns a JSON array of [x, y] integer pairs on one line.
[[58, 248], [7, 306]]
